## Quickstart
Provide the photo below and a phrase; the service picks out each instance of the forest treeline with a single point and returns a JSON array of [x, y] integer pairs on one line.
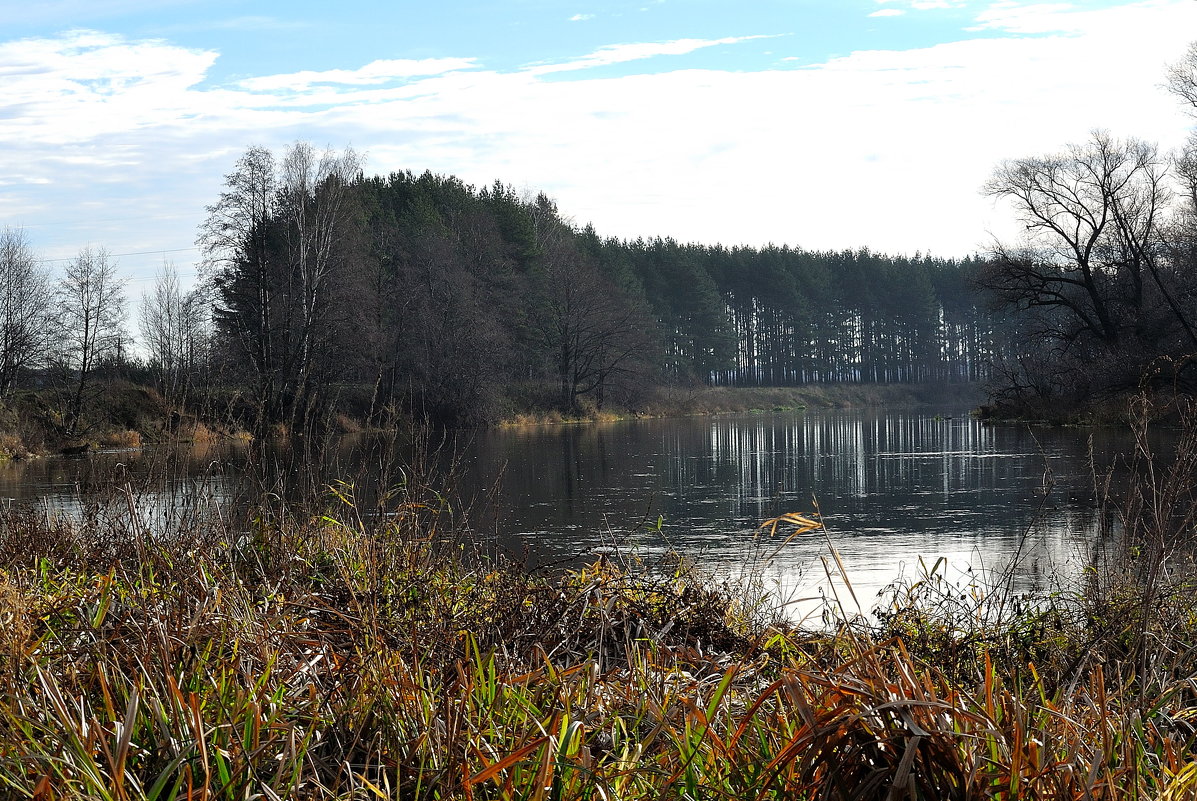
[[452, 300], [457, 301], [331, 290]]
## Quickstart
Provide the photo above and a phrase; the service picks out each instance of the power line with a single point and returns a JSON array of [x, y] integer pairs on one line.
[[138, 253]]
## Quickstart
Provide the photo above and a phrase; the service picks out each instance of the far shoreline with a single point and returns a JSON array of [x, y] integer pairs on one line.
[[665, 402], [129, 415]]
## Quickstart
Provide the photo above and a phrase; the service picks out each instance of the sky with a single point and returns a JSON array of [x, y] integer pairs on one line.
[[823, 124]]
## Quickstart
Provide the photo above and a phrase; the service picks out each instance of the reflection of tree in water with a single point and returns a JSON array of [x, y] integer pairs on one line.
[[888, 483], [585, 461]]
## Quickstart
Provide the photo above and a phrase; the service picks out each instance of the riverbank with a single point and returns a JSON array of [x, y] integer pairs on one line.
[[725, 400], [118, 414], [1166, 407], [289, 653], [126, 415], [704, 400]]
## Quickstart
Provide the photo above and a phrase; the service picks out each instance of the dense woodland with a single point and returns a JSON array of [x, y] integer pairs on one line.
[[442, 296]]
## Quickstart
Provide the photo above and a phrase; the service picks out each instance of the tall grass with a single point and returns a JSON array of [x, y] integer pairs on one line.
[[341, 654]]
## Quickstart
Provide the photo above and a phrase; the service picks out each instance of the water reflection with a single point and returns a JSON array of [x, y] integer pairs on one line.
[[892, 486]]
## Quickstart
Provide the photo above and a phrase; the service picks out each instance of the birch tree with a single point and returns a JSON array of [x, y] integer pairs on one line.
[[90, 306], [315, 207], [238, 260], [174, 332]]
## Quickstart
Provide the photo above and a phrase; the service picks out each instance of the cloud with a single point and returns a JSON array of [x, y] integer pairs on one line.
[[581, 17], [880, 148], [376, 72], [888, 12], [621, 53], [85, 84], [1065, 18]]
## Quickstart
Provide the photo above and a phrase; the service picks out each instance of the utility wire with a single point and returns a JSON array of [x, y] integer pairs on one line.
[[137, 253]]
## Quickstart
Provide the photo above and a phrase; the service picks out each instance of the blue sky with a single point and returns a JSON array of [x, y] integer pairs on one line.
[[818, 123]]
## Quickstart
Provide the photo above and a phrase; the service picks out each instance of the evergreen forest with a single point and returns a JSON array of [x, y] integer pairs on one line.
[[422, 292]]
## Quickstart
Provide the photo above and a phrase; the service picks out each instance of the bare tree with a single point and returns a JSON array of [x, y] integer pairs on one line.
[[592, 331], [315, 204], [1182, 81], [25, 301], [174, 331], [1095, 218], [1182, 78], [448, 347], [240, 267], [274, 247], [90, 303]]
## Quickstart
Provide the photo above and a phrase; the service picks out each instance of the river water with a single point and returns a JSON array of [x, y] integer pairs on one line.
[[893, 487]]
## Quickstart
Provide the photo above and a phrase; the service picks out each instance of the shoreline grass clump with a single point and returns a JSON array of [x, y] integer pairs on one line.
[[335, 652]]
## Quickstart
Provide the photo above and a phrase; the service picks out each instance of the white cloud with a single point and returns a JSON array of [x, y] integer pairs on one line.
[[376, 72], [888, 12], [621, 53], [879, 148], [581, 17], [85, 84], [1041, 18]]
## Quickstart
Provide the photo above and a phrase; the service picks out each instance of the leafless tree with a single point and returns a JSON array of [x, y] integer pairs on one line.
[[90, 305], [1094, 253], [174, 332], [449, 347], [25, 302], [315, 205], [241, 268], [238, 264], [1182, 78], [1182, 81], [275, 246]]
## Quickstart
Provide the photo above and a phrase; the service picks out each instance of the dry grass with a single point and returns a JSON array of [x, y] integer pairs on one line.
[[120, 439], [12, 446], [321, 658], [200, 433], [669, 401]]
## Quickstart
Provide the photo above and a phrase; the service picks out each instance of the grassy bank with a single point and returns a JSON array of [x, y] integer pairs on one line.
[[704, 400], [337, 653], [720, 400], [119, 414], [123, 414]]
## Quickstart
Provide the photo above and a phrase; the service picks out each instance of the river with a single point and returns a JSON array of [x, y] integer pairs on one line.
[[893, 487]]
